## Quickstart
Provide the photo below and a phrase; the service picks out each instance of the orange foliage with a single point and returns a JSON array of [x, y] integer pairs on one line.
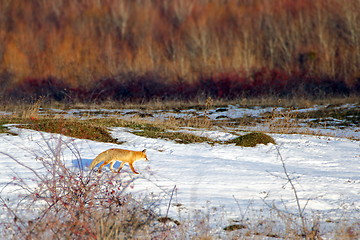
[[83, 41], [15, 60]]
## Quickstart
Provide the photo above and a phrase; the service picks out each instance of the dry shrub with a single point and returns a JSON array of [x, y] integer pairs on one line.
[[70, 203], [347, 231], [150, 86]]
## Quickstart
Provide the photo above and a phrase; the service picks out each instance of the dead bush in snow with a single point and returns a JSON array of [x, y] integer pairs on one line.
[[62, 202]]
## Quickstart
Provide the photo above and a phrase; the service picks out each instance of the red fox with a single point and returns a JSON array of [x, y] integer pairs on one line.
[[112, 155]]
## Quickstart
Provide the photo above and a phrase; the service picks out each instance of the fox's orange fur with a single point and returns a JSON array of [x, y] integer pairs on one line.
[[111, 156]]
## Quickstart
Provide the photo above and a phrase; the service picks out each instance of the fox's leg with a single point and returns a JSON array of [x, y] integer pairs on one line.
[[101, 166], [112, 165], [121, 166], [132, 168]]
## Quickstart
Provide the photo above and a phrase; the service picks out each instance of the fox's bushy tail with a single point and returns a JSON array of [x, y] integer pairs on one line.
[[96, 161]]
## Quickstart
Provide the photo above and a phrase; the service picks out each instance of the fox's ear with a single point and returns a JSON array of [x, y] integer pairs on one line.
[[144, 151]]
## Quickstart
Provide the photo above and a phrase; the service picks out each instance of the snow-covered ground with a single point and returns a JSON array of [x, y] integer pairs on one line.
[[326, 170]]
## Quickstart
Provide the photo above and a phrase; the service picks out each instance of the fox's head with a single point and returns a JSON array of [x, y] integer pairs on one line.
[[144, 155]]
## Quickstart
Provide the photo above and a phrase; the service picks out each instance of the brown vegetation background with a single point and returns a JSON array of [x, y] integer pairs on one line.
[[130, 49]]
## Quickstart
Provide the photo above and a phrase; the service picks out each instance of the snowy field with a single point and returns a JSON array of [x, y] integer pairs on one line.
[[233, 179]]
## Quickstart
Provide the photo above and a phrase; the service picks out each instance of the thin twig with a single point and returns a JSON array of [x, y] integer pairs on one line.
[[300, 210], [172, 193]]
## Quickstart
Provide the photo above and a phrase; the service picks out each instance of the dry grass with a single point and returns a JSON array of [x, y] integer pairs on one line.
[[23, 108], [284, 121], [252, 139], [98, 129]]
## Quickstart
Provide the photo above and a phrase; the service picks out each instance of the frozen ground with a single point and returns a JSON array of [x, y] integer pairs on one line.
[[232, 179], [326, 125]]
